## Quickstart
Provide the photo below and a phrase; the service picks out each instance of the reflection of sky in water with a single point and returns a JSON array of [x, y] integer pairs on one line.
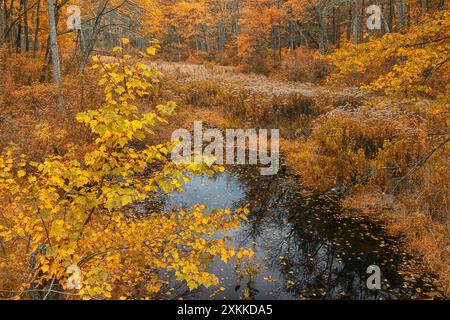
[[225, 191], [302, 249], [220, 192]]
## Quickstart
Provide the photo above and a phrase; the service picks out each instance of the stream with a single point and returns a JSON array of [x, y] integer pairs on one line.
[[305, 246]]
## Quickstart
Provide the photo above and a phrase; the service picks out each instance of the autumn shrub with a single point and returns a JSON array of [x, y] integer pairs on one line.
[[303, 66], [203, 94], [230, 56], [258, 61], [348, 148], [23, 69], [245, 104], [197, 57], [31, 121]]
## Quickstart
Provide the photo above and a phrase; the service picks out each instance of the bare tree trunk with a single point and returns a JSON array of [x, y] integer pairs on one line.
[[2, 23], [355, 14], [221, 36], [400, 14], [334, 37], [36, 31], [25, 26], [322, 31], [179, 46], [424, 4], [55, 55], [391, 15], [8, 35], [362, 21], [385, 22], [235, 17], [19, 42], [292, 41]]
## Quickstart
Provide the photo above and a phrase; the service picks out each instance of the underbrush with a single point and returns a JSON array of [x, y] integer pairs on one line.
[[29, 117], [303, 66], [348, 148]]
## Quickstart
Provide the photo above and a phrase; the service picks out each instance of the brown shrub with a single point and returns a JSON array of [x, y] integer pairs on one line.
[[349, 148], [23, 69], [303, 66], [260, 62]]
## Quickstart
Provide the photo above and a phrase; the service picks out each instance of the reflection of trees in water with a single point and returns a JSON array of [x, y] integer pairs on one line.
[[319, 254]]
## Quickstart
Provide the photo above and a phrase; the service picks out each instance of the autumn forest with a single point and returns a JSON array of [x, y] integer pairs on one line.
[[224, 150]]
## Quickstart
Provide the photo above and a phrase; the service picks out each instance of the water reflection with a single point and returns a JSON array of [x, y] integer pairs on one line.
[[305, 247]]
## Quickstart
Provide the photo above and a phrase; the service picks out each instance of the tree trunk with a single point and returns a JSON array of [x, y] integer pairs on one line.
[[55, 55], [292, 41], [424, 4], [25, 26], [36, 31], [400, 14], [322, 32], [355, 14], [221, 36], [391, 15], [349, 25], [2, 23]]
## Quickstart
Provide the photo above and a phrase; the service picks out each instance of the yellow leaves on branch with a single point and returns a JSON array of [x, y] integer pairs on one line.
[[410, 58], [79, 211]]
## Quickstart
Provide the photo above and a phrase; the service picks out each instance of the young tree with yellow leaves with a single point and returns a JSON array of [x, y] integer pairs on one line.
[[70, 211]]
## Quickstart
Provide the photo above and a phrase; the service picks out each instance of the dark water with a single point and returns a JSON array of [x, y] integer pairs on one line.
[[306, 248]]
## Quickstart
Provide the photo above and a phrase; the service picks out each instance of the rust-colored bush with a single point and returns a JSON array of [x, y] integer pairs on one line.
[[347, 148], [303, 66], [23, 69]]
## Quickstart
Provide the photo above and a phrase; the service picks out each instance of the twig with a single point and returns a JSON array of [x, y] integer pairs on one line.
[[420, 163], [44, 290], [50, 289]]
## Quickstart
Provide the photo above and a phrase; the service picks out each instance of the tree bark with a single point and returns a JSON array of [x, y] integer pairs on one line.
[[25, 26], [55, 55], [36, 31], [322, 32], [391, 15], [400, 14], [355, 22], [2, 22]]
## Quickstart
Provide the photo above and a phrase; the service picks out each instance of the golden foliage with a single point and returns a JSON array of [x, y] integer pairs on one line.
[[73, 210]]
